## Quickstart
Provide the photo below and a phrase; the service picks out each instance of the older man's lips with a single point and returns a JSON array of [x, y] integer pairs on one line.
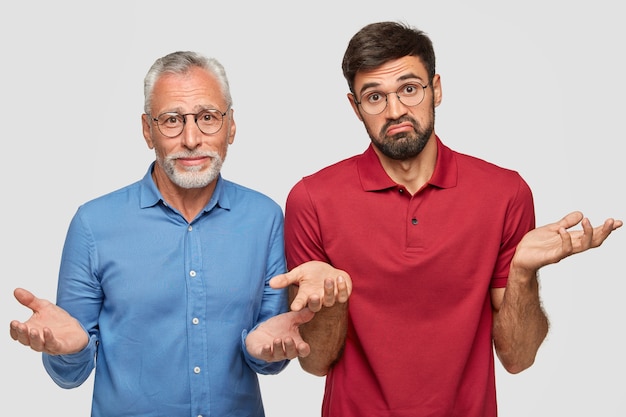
[[193, 161]]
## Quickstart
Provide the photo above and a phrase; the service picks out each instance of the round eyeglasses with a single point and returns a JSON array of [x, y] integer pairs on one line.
[[171, 124], [409, 94]]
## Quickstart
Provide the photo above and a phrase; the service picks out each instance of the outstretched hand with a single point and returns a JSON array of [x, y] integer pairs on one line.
[[278, 338], [50, 329], [319, 284], [551, 243]]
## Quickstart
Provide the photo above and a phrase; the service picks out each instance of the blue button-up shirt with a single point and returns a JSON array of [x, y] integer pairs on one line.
[[168, 303]]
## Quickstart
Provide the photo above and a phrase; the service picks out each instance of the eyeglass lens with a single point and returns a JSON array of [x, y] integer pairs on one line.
[[410, 95], [172, 124]]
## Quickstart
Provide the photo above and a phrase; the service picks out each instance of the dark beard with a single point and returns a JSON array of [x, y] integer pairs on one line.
[[403, 146]]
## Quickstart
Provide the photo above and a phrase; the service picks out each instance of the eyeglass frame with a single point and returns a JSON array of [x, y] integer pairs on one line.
[[195, 119], [417, 83]]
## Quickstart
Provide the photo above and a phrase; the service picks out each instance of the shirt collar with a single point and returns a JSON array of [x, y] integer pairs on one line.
[[374, 178], [151, 196]]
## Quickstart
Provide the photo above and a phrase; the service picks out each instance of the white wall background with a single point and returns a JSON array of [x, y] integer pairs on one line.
[[537, 86]]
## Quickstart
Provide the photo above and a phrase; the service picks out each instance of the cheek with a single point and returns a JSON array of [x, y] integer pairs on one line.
[[373, 125], [223, 150], [160, 149]]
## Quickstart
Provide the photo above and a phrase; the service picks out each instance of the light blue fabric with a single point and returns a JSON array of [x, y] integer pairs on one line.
[[168, 303]]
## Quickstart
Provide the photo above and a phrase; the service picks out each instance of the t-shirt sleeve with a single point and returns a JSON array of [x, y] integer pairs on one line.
[[520, 219]]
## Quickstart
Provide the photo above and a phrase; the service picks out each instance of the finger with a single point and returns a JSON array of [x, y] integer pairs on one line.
[[566, 242], [19, 332], [587, 237], [36, 341], [329, 292], [278, 349], [300, 301], [571, 219], [290, 349], [29, 337], [13, 326], [315, 303], [51, 344], [608, 226], [304, 349], [600, 233], [342, 290], [266, 352]]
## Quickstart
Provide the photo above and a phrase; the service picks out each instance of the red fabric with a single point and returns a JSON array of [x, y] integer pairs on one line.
[[419, 338]]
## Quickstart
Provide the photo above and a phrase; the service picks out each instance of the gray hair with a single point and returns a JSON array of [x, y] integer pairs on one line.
[[179, 63]]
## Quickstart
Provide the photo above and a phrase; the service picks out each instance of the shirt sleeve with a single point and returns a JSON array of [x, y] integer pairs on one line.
[[303, 238], [520, 219], [275, 301], [70, 371], [79, 294]]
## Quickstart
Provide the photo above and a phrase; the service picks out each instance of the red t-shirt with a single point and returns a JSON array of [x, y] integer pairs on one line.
[[419, 332]]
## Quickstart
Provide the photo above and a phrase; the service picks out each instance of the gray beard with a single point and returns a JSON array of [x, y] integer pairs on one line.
[[193, 177]]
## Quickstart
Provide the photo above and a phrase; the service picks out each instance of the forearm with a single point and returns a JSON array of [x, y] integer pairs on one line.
[[520, 324], [326, 335]]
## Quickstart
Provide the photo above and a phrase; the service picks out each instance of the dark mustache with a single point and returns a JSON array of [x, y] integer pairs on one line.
[[402, 119]]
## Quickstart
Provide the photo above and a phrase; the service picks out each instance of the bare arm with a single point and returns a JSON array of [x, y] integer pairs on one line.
[[326, 335], [520, 324], [324, 290]]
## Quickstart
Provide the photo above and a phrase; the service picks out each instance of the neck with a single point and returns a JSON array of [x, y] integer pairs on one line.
[[188, 201], [412, 173]]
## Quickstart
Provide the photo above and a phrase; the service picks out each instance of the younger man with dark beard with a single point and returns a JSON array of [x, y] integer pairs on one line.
[[440, 246]]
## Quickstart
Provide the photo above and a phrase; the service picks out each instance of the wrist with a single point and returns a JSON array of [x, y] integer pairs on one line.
[[520, 275]]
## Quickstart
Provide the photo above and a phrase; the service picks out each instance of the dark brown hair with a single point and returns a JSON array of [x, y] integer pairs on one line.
[[378, 43]]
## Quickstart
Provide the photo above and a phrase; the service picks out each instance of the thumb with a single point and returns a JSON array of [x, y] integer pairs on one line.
[[303, 316], [283, 280], [27, 299]]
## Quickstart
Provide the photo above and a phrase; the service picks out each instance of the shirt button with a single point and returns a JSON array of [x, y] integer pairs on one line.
[[195, 320], [196, 370], [192, 273], [190, 228], [414, 220]]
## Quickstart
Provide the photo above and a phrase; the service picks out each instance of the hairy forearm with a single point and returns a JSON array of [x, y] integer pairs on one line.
[[326, 335], [520, 324]]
